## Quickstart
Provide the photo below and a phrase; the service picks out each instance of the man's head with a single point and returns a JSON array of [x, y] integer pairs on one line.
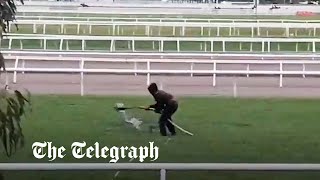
[[153, 88]]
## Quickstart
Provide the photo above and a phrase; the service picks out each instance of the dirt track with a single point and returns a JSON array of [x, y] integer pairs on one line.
[[136, 85], [98, 84]]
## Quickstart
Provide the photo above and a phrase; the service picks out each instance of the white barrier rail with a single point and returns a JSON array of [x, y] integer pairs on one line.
[[150, 55], [163, 167], [160, 166], [165, 10], [264, 43], [175, 19], [214, 71], [117, 26], [112, 10], [169, 8]]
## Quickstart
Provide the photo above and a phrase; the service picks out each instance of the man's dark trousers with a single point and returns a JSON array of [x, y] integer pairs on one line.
[[166, 114]]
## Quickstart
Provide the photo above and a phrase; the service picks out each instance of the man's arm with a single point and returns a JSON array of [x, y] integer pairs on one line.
[[153, 105], [158, 107]]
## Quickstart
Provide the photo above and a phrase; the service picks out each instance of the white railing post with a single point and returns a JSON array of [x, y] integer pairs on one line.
[[10, 43], [162, 174], [178, 45], [90, 29], [34, 28], [162, 45], [183, 31], [201, 29], [214, 74], [23, 65], [67, 45], [252, 31], [21, 44], [313, 46], [44, 29], [45, 44], [83, 44], [61, 45], [15, 70], [235, 91], [82, 77], [78, 28], [148, 74], [133, 46], [135, 68], [303, 69], [173, 30], [111, 45], [191, 68], [223, 46], [281, 71]]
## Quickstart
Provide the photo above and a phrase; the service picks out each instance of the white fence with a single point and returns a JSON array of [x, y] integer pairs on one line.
[[234, 28], [162, 167], [111, 10], [196, 56], [213, 71], [164, 19], [206, 43]]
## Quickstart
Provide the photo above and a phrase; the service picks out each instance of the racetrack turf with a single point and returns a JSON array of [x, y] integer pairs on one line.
[[226, 131]]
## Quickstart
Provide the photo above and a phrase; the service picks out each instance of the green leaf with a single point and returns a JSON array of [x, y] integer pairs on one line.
[[12, 105], [5, 142]]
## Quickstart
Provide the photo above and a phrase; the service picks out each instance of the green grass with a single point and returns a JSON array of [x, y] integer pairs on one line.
[[226, 130], [105, 30]]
